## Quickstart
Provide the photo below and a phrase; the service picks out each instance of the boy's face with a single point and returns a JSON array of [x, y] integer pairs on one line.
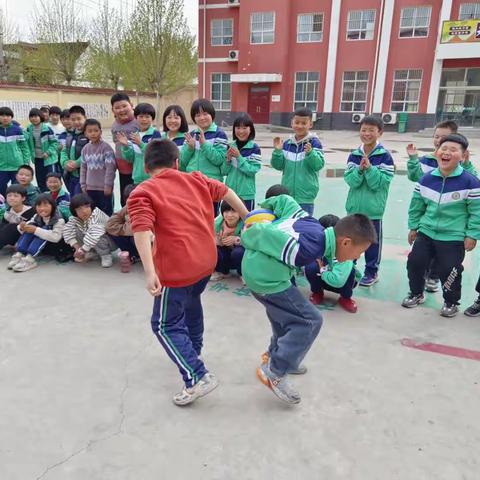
[[231, 218], [15, 199], [93, 133], [346, 249], [301, 126], [35, 120], [369, 134], [67, 122], [5, 120], [203, 119], [449, 155], [45, 114], [122, 110], [77, 120], [54, 184], [144, 121], [84, 212], [438, 134], [54, 118], [24, 177]]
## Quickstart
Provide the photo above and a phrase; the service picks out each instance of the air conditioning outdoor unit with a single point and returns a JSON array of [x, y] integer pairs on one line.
[[389, 118], [357, 117], [233, 55], [233, 3]]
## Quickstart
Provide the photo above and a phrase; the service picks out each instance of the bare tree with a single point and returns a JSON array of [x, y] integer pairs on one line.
[[8, 34]]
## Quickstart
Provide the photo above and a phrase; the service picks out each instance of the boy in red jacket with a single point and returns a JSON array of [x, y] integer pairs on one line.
[[176, 207]]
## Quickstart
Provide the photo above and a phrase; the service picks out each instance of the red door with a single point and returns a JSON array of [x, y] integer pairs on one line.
[[259, 104]]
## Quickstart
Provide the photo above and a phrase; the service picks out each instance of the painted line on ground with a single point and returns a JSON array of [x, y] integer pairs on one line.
[[442, 349]]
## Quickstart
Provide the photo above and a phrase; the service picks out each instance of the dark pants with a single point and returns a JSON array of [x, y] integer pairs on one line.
[[216, 208], [317, 285], [41, 171], [229, 259], [127, 244], [373, 254], [308, 207], [73, 184], [295, 325], [449, 257], [432, 272], [31, 244], [177, 322], [102, 201], [9, 234], [125, 180], [250, 204], [5, 177]]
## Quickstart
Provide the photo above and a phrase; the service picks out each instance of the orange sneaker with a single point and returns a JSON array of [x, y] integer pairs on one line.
[[265, 357], [348, 304]]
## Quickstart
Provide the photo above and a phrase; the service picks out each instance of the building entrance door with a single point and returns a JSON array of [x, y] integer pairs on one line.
[[259, 104]]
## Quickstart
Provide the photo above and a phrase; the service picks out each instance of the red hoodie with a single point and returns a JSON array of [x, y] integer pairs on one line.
[[177, 208]]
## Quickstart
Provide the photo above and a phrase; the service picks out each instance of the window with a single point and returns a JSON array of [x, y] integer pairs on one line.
[[469, 10], [262, 27], [414, 22], [360, 24], [354, 92], [221, 91], [222, 32], [306, 90], [310, 27], [406, 90]]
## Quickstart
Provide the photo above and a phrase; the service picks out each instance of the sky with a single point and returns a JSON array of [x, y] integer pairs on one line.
[[19, 11]]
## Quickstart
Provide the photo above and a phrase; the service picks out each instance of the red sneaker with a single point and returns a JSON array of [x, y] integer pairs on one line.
[[125, 262], [317, 298], [348, 304]]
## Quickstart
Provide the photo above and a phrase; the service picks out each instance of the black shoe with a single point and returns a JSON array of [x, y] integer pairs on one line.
[[473, 310]]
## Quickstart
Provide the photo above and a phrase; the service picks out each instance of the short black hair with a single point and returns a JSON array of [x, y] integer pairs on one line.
[[26, 167], [128, 190], [46, 198], [6, 111], [56, 110], [17, 188], [144, 109], [65, 113], [160, 154], [450, 124], [372, 121], [79, 201], [92, 121], [276, 190], [119, 97], [358, 227], [225, 207], [77, 109], [45, 108], [244, 120], [455, 138], [178, 110], [328, 220], [35, 112], [204, 105], [303, 112], [54, 175]]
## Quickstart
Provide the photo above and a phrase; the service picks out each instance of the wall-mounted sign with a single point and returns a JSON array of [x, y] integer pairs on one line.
[[275, 98], [461, 31]]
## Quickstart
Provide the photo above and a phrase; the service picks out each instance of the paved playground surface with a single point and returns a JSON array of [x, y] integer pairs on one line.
[[86, 390]]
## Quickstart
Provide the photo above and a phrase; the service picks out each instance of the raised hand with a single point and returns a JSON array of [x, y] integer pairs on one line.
[[277, 143], [411, 150]]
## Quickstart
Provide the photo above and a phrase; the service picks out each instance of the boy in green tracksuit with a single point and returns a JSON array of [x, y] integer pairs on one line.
[[300, 159], [273, 252], [444, 222], [369, 172]]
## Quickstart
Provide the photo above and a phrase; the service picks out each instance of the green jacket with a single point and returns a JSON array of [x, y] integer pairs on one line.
[[14, 151], [300, 169], [337, 273], [241, 171], [369, 188], [418, 167], [32, 193], [49, 144], [446, 208], [208, 158], [218, 224]]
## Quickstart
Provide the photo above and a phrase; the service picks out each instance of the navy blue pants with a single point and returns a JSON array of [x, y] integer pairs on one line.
[[373, 254], [127, 244], [73, 184], [30, 243], [5, 177], [308, 207], [102, 201], [250, 204], [312, 272], [177, 322], [229, 259], [41, 171]]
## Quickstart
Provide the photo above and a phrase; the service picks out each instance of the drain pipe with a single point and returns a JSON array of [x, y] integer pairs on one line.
[[204, 89], [377, 52]]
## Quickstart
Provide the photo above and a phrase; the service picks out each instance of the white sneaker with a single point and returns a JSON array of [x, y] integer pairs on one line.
[[107, 261], [16, 257], [204, 386], [217, 276], [25, 264]]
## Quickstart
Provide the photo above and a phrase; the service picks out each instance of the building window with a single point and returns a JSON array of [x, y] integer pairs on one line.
[[414, 22], [306, 90], [262, 27], [310, 27], [354, 92], [469, 10], [406, 90], [221, 91], [360, 24], [222, 32]]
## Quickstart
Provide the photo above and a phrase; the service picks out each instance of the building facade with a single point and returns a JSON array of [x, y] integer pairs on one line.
[[341, 58]]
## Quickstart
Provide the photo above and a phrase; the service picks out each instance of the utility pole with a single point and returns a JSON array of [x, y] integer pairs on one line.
[[3, 66]]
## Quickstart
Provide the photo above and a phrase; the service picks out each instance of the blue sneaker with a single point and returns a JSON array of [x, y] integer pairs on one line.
[[368, 280]]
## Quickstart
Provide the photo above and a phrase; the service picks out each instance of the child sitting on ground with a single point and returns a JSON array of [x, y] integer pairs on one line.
[[59, 194], [338, 277], [43, 233], [228, 226], [24, 177], [85, 231]]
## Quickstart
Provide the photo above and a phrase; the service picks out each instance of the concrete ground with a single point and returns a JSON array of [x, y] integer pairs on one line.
[[86, 390]]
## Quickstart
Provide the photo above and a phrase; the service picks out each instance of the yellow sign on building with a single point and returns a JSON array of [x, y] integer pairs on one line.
[[461, 31]]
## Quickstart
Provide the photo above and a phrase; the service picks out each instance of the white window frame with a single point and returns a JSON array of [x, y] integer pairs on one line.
[[404, 101], [415, 8], [476, 7], [359, 30], [218, 104], [263, 31], [221, 36], [307, 81], [353, 101], [312, 32]]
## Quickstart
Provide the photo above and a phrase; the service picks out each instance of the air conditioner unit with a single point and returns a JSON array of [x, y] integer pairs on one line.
[[233, 55], [357, 117], [233, 3], [389, 118]]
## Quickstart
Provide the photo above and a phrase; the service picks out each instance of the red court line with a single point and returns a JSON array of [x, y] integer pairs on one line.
[[442, 349]]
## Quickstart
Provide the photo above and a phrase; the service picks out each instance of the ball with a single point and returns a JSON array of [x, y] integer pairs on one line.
[[261, 215]]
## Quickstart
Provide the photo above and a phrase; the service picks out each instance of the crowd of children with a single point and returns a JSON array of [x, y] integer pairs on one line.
[[198, 186]]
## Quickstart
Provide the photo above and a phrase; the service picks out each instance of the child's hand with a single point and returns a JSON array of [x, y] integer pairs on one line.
[[29, 228], [470, 244], [412, 235], [229, 241], [21, 226], [71, 166], [107, 191], [277, 143], [319, 263], [45, 155], [135, 138], [189, 140], [79, 255], [308, 147], [201, 139], [153, 284], [412, 150], [122, 139], [232, 153]]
